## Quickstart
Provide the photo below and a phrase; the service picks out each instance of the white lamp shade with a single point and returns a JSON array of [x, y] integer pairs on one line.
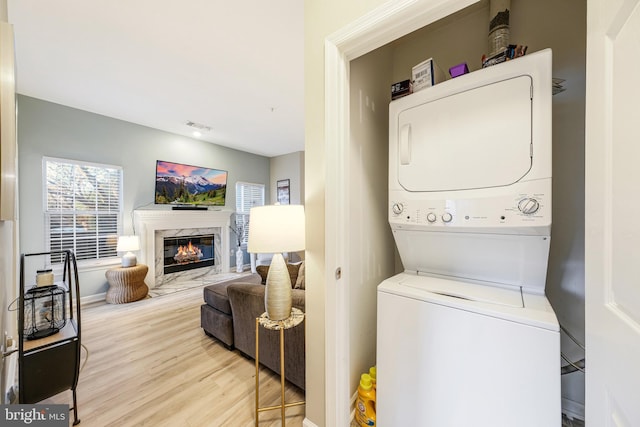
[[276, 229], [128, 244]]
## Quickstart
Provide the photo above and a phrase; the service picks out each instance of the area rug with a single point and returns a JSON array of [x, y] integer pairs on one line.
[[178, 286]]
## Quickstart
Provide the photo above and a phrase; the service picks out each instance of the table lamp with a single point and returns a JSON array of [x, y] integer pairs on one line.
[[128, 244], [276, 229]]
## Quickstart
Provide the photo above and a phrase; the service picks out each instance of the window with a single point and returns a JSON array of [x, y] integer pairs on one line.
[[248, 195], [83, 208]]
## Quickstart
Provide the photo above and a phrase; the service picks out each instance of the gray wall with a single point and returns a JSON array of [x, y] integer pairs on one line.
[[47, 129], [291, 167], [370, 238]]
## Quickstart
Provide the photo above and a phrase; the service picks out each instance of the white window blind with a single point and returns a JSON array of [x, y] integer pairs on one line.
[[83, 208], [248, 195]]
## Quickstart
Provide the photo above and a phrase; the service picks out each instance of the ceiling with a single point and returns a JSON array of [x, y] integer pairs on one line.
[[235, 67]]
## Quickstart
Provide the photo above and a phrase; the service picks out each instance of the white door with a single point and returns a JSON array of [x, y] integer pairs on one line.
[[431, 139], [612, 206]]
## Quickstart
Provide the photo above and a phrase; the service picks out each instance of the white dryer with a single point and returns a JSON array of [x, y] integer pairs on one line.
[[466, 336]]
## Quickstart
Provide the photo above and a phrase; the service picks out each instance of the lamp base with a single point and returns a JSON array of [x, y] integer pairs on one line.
[[129, 260], [277, 295]]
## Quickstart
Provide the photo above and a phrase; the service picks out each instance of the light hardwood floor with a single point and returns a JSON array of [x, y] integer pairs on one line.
[[150, 364]]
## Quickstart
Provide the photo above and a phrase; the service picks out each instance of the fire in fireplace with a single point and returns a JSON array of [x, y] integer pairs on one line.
[[188, 252]]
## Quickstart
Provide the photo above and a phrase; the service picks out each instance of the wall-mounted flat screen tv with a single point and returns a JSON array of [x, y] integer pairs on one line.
[[180, 184]]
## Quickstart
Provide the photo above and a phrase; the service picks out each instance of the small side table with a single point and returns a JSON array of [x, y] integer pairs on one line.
[[126, 284], [296, 317]]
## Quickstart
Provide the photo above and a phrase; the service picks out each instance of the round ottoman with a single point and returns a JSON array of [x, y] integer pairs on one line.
[[126, 284]]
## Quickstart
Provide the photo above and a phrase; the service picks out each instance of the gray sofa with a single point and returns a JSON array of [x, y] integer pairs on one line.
[[229, 315]]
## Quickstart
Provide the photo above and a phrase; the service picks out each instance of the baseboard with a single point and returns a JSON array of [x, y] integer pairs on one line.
[[307, 423], [573, 410], [89, 299]]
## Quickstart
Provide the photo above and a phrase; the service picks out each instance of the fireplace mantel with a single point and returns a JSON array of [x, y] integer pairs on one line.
[[148, 221]]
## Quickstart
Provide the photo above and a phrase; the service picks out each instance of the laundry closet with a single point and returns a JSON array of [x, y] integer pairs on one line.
[[462, 37]]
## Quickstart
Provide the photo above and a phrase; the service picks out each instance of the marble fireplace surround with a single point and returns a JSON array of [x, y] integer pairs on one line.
[[150, 224]]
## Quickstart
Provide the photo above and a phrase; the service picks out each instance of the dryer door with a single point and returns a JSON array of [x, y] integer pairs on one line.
[[477, 138]]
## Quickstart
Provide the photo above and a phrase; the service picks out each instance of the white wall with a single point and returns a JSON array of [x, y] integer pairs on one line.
[[47, 129]]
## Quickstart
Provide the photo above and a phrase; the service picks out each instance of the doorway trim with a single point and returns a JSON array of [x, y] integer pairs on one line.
[[383, 25]]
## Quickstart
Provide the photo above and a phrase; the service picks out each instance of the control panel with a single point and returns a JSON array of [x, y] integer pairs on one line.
[[524, 209]]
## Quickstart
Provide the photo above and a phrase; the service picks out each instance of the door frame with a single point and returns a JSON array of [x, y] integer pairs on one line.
[[384, 24]]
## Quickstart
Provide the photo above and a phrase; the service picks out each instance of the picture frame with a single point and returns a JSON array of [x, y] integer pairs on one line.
[[283, 191]]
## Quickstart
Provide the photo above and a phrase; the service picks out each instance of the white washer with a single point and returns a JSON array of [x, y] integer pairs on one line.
[[464, 354], [466, 336]]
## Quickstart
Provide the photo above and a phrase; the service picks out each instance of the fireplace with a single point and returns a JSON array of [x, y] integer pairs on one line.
[[154, 225], [188, 252]]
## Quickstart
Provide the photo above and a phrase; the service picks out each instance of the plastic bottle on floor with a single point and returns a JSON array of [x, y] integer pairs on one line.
[[372, 374], [366, 402]]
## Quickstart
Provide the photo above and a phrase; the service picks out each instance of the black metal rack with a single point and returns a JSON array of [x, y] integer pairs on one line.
[[51, 365]]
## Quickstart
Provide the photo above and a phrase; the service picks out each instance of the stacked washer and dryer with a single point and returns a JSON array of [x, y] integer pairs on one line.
[[466, 336]]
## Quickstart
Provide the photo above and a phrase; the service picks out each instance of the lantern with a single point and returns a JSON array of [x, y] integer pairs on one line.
[[44, 311]]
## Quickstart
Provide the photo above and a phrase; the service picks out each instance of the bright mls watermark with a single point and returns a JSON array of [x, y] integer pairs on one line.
[[34, 415]]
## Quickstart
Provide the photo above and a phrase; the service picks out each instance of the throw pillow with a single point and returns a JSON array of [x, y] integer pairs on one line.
[[300, 279], [263, 270], [293, 273]]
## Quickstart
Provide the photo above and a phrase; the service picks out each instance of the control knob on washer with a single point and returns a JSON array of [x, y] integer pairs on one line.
[[447, 217], [431, 217], [397, 208], [528, 206]]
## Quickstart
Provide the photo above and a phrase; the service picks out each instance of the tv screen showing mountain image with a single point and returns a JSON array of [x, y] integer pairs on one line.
[[180, 184]]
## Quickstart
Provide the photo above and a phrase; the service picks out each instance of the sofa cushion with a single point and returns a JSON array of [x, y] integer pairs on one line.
[[216, 294], [217, 324]]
